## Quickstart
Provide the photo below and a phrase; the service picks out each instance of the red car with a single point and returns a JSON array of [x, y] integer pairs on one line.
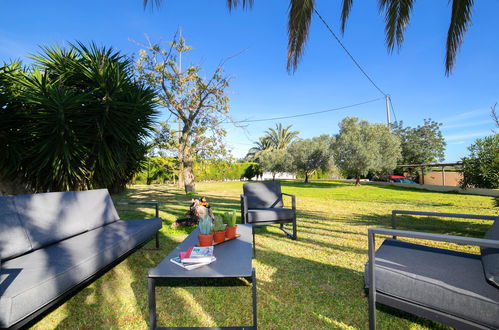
[[399, 179]]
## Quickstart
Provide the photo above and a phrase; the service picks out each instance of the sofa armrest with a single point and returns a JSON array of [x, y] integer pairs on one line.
[[142, 203], [444, 215], [293, 200]]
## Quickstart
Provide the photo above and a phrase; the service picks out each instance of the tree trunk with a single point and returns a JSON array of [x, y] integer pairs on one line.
[[189, 181], [357, 181], [306, 177], [273, 176], [186, 162]]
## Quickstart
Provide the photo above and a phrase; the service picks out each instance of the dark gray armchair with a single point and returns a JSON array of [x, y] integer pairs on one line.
[[454, 288], [262, 204]]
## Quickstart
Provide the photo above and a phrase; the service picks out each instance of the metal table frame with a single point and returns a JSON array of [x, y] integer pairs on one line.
[[152, 283], [166, 270]]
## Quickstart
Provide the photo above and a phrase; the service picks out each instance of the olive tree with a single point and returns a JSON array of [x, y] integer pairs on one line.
[[275, 161], [362, 147], [310, 155]]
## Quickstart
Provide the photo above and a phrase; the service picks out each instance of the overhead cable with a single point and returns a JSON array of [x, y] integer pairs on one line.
[[349, 54], [308, 113]]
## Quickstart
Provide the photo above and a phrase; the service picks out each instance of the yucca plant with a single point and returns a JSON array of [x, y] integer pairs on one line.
[[78, 120]]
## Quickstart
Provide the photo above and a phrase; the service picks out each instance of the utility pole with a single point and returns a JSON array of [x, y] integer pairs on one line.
[[387, 101]]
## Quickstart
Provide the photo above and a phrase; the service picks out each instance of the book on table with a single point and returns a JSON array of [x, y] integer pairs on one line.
[[194, 257]]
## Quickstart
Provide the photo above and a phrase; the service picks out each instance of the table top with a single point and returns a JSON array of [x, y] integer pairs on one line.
[[233, 258]]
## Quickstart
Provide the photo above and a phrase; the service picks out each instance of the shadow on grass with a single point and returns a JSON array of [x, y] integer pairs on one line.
[[449, 226], [322, 293], [312, 184]]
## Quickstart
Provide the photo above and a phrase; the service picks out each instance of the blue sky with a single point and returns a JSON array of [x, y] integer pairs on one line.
[[325, 79]]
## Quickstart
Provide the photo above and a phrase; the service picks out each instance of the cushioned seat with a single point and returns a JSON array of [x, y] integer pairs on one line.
[[273, 214], [32, 280], [262, 204], [448, 281]]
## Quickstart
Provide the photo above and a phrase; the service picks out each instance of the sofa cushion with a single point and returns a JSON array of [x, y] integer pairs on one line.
[[96, 208], [49, 217], [258, 215], [13, 238], [490, 256], [29, 282], [448, 281], [261, 195]]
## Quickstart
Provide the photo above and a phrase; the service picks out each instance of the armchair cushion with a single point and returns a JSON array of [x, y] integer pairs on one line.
[[263, 195], [273, 214], [448, 281], [490, 257]]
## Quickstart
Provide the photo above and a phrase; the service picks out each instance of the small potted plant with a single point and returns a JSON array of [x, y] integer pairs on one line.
[[218, 229], [230, 220], [205, 235]]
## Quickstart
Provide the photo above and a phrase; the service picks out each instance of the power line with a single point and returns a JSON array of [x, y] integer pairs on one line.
[[348, 53], [304, 114]]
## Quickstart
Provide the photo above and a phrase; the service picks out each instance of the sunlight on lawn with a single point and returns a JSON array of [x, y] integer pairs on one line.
[[315, 282]]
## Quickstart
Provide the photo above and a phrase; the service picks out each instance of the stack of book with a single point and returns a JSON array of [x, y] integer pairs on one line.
[[195, 257]]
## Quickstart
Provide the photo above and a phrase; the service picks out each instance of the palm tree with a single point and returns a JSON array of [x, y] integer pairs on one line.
[[397, 16], [281, 138], [274, 139], [255, 152]]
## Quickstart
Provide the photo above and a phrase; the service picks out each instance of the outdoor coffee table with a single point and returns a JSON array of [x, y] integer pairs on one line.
[[233, 261]]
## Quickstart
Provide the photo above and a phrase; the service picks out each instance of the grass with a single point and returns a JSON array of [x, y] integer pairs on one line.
[[315, 282]]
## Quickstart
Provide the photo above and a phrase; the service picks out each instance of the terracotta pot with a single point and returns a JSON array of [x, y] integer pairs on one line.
[[205, 240], [230, 232], [219, 236]]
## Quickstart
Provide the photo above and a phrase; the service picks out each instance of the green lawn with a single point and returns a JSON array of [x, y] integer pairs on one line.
[[315, 282]]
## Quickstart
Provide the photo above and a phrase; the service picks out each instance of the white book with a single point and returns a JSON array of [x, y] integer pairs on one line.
[[177, 261]]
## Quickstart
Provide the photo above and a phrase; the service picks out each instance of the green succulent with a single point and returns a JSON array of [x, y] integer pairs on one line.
[[230, 218], [218, 224], [205, 225]]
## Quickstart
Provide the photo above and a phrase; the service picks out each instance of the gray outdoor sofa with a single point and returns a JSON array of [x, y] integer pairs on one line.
[[457, 289], [52, 244]]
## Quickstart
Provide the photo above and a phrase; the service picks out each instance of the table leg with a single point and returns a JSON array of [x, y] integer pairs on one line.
[[254, 245], [152, 302], [253, 281]]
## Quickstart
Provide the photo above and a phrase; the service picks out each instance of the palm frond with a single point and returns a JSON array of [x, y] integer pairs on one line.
[[232, 4], [345, 11], [459, 23], [300, 16], [153, 3], [397, 16]]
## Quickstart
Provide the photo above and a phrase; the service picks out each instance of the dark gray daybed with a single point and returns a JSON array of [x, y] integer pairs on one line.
[[457, 289], [52, 244]]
